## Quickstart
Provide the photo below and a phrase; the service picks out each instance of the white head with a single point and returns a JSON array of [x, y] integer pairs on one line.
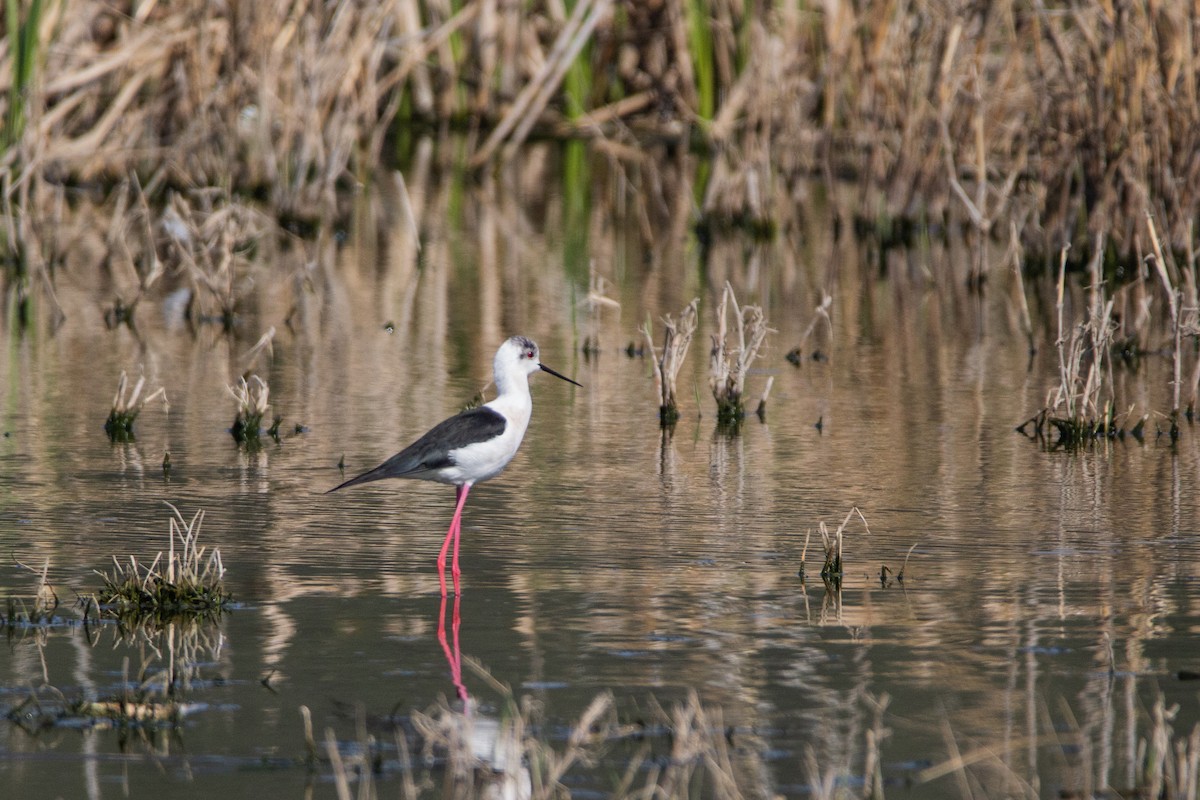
[[516, 359]]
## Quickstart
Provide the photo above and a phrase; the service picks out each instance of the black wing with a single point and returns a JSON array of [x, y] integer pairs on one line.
[[432, 451]]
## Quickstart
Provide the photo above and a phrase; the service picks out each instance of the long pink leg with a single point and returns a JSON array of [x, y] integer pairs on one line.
[[441, 561], [453, 534], [462, 492], [453, 657]]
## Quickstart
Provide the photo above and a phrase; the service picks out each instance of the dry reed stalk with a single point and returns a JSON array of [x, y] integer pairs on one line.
[[820, 314], [1085, 366], [520, 118], [1174, 296], [729, 363], [1087, 115], [677, 338], [1014, 245]]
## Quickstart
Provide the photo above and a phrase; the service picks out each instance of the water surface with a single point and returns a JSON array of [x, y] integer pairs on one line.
[[1049, 598]]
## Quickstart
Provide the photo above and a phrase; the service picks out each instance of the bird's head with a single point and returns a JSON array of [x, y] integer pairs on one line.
[[519, 356]]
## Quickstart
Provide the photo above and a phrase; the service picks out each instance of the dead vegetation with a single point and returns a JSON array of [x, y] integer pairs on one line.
[[127, 406], [205, 133], [188, 581], [1078, 120], [735, 345], [152, 696], [253, 402], [1112, 332], [468, 752], [677, 338]]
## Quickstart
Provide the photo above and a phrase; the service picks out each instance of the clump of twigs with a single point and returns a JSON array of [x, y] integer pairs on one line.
[[1081, 408], [188, 580], [126, 407], [729, 362], [253, 400], [831, 570], [676, 340]]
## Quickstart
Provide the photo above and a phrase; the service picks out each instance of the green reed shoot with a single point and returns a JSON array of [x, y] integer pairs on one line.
[[22, 53], [700, 42]]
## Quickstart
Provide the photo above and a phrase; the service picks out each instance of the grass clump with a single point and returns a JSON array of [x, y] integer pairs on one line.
[[187, 580], [253, 399], [125, 408]]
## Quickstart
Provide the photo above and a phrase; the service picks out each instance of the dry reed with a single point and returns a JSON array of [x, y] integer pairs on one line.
[[253, 402], [1089, 116], [677, 338], [41, 607], [125, 408], [729, 362], [1054, 126]]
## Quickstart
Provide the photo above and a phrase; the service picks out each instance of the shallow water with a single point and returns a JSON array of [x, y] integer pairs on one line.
[[1049, 598]]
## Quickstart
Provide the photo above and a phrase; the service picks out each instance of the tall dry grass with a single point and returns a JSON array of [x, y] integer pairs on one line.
[[1044, 126], [1083, 119]]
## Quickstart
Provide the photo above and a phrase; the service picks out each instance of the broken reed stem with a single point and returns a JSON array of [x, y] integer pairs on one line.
[[1064, 387], [761, 411], [1173, 297], [820, 314], [677, 338]]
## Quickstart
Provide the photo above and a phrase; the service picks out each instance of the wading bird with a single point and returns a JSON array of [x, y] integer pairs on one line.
[[473, 445]]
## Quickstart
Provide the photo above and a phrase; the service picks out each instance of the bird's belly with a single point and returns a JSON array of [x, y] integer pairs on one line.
[[479, 462]]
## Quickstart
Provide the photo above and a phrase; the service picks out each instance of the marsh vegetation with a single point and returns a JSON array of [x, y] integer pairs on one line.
[[909, 225]]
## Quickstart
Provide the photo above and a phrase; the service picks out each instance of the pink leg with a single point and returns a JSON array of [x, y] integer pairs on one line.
[[462, 501], [441, 561], [453, 657], [455, 534]]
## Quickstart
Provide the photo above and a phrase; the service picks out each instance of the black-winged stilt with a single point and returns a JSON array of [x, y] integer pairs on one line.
[[473, 445]]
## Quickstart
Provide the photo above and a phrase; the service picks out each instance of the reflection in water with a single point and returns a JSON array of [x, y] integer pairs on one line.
[[1049, 600], [452, 650]]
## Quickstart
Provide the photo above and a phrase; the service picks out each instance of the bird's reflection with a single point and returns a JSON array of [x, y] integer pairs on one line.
[[450, 647], [473, 739]]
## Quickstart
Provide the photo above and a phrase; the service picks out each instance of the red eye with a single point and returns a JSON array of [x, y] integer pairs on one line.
[[529, 354]]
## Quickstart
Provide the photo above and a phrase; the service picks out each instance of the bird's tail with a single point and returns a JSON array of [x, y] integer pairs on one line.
[[371, 475]]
